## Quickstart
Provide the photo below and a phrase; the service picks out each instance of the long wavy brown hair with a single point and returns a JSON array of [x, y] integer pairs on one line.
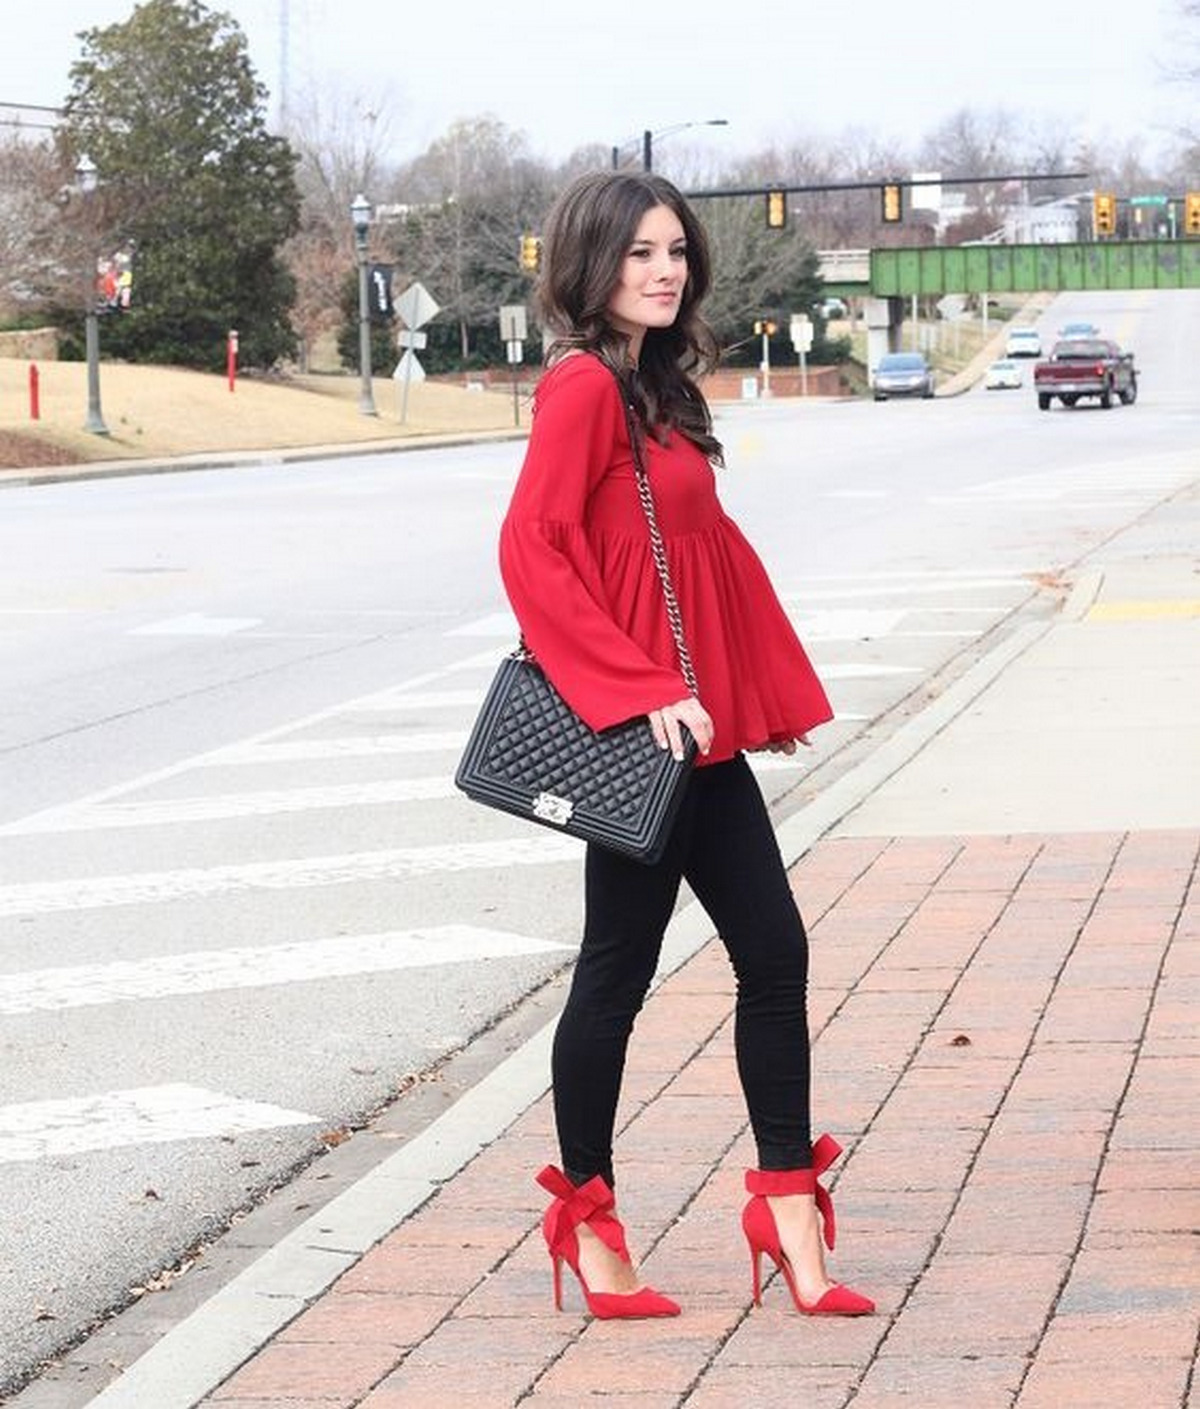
[[586, 237]]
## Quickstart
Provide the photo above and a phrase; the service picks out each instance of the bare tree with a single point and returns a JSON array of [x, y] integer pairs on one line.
[[340, 139], [469, 199], [41, 257]]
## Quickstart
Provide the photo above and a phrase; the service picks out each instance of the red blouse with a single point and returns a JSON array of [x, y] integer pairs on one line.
[[577, 565]]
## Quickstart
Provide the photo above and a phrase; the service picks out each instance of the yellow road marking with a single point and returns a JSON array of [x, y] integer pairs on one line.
[[1145, 611]]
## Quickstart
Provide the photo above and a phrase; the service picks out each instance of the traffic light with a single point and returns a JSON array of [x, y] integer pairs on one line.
[[765, 325], [892, 203], [776, 210], [531, 253], [1104, 211], [1191, 213]]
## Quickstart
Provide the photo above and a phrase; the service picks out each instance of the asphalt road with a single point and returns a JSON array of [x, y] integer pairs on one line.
[[241, 907]]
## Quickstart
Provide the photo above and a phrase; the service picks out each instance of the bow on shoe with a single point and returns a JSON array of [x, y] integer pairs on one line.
[[591, 1203], [777, 1182]]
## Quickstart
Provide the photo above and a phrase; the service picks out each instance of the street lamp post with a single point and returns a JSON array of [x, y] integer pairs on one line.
[[360, 215], [648, 139], [88, 178]]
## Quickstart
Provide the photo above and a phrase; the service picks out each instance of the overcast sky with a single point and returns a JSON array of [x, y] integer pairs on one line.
[[568, 73]]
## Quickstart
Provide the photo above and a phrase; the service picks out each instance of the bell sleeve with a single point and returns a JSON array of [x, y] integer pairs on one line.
[[547, 564]]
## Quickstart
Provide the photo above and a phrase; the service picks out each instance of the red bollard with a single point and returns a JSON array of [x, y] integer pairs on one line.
[[35, 404], [231, 351]]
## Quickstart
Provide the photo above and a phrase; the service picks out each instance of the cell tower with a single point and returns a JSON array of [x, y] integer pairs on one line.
[[284, 56]]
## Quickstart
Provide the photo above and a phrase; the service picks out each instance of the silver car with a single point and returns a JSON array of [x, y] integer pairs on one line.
[[902, 374]]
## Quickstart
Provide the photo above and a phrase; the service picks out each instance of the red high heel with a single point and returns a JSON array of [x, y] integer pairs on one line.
[[758, 1223], [592, 1203]]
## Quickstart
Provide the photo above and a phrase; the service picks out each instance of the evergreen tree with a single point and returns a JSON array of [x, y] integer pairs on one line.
[[168, 107]]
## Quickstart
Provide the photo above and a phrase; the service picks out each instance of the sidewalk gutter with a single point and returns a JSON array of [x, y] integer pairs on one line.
[[204, 1349]]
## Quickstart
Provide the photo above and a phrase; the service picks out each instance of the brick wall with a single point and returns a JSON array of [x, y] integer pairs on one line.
[[723, 385]]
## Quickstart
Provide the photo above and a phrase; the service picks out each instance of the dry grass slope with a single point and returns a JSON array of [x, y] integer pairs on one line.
[[164, 412]]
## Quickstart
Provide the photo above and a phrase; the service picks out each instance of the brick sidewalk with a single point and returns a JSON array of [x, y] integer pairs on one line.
[[1006, 1044]]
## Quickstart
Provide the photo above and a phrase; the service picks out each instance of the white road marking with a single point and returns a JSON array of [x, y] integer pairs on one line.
[[848, 670], [1148, 481], [539, 848], [496, 624], [850, 624], [84, 817], [485, 660], [215, 970], [767, 762], [910, 588], [197, 624], [147, 1115], [175, 770], [408, 699], [307, 750]]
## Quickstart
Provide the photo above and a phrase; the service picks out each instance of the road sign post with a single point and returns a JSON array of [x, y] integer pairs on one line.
[[414, 307], [801, 331], [513, 332]]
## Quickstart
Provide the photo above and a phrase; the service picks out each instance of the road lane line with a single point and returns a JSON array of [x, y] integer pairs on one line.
[[259, 966]]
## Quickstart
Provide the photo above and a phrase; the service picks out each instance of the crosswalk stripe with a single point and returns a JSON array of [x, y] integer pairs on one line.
[[539, 848], [260, 966], [84, 817], [481, 661], [867, 670], [197, 624], [307, 750], [139, 1116], [1018, 586], [408, 699], [502, 624], [1044, 486]]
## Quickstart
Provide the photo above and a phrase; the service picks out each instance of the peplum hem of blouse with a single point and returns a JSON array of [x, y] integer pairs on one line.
[[577, 564]]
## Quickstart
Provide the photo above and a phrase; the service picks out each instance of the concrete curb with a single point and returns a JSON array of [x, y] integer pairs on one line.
[[249, 459], [204, 1349]]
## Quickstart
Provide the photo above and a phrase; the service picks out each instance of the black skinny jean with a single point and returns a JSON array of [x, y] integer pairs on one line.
[[723, 844]]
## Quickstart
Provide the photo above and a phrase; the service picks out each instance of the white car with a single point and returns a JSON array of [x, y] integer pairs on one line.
[[1003, 374], [1023, 342]]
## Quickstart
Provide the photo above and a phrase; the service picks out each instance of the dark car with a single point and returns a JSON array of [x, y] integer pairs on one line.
[[902, 374]]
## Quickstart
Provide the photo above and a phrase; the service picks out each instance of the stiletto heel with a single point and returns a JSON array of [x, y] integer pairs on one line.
[[762, 1234], [592, 1204]]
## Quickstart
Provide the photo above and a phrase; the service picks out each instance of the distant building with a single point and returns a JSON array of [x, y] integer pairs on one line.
[[28, 121], [1055, 223]]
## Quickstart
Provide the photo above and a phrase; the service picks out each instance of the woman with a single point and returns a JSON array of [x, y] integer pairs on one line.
[[626, 267]]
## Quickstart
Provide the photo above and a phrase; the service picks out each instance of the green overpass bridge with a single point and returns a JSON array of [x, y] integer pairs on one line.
[[969, 269]]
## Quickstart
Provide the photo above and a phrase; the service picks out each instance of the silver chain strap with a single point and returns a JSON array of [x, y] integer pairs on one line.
[[658, 548]]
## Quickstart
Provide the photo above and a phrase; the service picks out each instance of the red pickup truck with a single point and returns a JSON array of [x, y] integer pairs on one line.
[[1079, 367]]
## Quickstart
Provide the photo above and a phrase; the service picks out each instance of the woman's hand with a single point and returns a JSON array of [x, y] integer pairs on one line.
[[665, 723], [787, 746]]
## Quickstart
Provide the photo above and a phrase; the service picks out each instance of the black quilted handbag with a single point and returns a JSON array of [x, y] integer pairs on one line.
[[530, 754]]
